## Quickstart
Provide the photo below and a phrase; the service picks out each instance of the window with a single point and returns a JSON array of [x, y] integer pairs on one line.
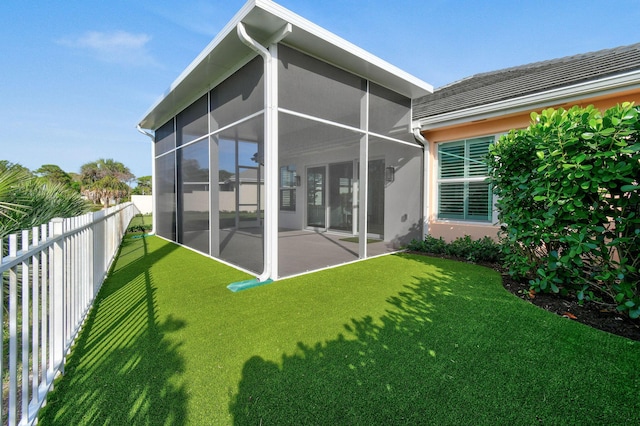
[[463, 190], [288, 188]]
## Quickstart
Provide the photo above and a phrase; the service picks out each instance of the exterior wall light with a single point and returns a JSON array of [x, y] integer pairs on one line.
[[390, 174]]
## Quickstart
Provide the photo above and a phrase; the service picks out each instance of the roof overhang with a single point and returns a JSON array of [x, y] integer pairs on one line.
[[263, 18], [574, 93]]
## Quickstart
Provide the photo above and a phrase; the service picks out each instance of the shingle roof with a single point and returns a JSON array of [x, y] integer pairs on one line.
[[509, 83]]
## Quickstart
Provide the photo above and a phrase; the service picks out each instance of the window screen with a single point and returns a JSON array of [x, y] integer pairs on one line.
[[166, 196], [193, 196], [165, 138], [316, 88], [192, 123], [389, 113], [240, 95]]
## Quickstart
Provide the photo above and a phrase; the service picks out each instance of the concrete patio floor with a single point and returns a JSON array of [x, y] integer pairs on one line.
[[300, 251], [303, 251]]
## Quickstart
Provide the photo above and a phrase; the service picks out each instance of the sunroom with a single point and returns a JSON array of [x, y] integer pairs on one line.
[[282, 144]]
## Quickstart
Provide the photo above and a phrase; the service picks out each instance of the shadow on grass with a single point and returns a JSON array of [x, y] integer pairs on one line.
[[374, 373], [453, 349], [121, 369]]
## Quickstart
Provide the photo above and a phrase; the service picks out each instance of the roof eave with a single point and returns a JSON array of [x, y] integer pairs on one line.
[[573, 93], [261, 16]]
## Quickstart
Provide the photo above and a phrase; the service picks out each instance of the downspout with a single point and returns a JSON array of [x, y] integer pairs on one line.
[[270, 271], [153, 174], [417, 134]]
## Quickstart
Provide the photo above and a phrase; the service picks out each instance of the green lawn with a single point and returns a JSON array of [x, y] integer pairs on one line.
[[141, 219], [394, 340]]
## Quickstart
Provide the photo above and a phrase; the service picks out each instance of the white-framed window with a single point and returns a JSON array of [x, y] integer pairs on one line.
[[288, 179], [463, 190]]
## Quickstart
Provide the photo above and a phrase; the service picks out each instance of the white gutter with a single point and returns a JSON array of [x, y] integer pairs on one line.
[[603, 86], [153, 174], [417, 134], [270, 146]]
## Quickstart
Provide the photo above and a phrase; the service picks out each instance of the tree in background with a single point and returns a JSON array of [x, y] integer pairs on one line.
[[143, 187], [105, 180], [8, 165], [54, 174]]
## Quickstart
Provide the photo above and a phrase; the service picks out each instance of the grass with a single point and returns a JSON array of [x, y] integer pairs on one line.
[[401, 339], [141, 219]]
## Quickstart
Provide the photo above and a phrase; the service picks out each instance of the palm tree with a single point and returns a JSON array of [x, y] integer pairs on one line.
[[38, 202], [109, 188], [144, 186], [10, 178], [104, 180]]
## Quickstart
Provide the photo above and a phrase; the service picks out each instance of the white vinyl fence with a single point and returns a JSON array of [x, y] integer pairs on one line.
[[50, 277]]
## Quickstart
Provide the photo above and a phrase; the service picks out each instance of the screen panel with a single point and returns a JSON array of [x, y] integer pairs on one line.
[[240, 95], [241, 195], [389, 113], [165, 192], [192, 123], [194, 196], [165, 138], [310, 86], [400, 178]]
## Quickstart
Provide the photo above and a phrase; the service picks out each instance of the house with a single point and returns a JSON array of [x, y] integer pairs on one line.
[[461, 119], [340, 144]]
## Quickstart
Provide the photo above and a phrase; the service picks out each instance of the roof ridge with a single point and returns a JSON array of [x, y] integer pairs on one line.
[[545, 62], [507, 83]]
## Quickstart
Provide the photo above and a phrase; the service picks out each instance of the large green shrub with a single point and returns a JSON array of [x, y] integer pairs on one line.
[[569, 203]]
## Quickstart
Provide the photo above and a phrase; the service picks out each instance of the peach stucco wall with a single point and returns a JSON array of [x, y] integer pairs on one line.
[[449, 230]]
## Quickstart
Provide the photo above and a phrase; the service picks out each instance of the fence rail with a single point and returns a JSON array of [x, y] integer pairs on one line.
[[50, 277]]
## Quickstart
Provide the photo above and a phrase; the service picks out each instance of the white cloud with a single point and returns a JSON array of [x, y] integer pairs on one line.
[[119, 47]]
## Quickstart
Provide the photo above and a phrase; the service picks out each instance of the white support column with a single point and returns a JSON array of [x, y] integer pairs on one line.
[[363, 178], [271, 150], [214, 197], [270, 145], [154, 189]]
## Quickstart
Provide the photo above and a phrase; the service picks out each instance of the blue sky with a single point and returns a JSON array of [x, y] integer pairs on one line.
[[77, 76]]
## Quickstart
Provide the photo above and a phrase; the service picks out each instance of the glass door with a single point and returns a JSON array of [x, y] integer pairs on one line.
[[341, 197], [316, 207], [375, 197]]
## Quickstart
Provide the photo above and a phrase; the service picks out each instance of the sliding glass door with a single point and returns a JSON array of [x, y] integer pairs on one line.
[[316, 207], [341, 197]]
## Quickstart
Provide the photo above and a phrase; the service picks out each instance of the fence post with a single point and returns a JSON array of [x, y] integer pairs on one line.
[[13, 334], [57, 296]]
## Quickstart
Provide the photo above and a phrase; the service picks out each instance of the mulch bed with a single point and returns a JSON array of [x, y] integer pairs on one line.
[[592, 314]]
